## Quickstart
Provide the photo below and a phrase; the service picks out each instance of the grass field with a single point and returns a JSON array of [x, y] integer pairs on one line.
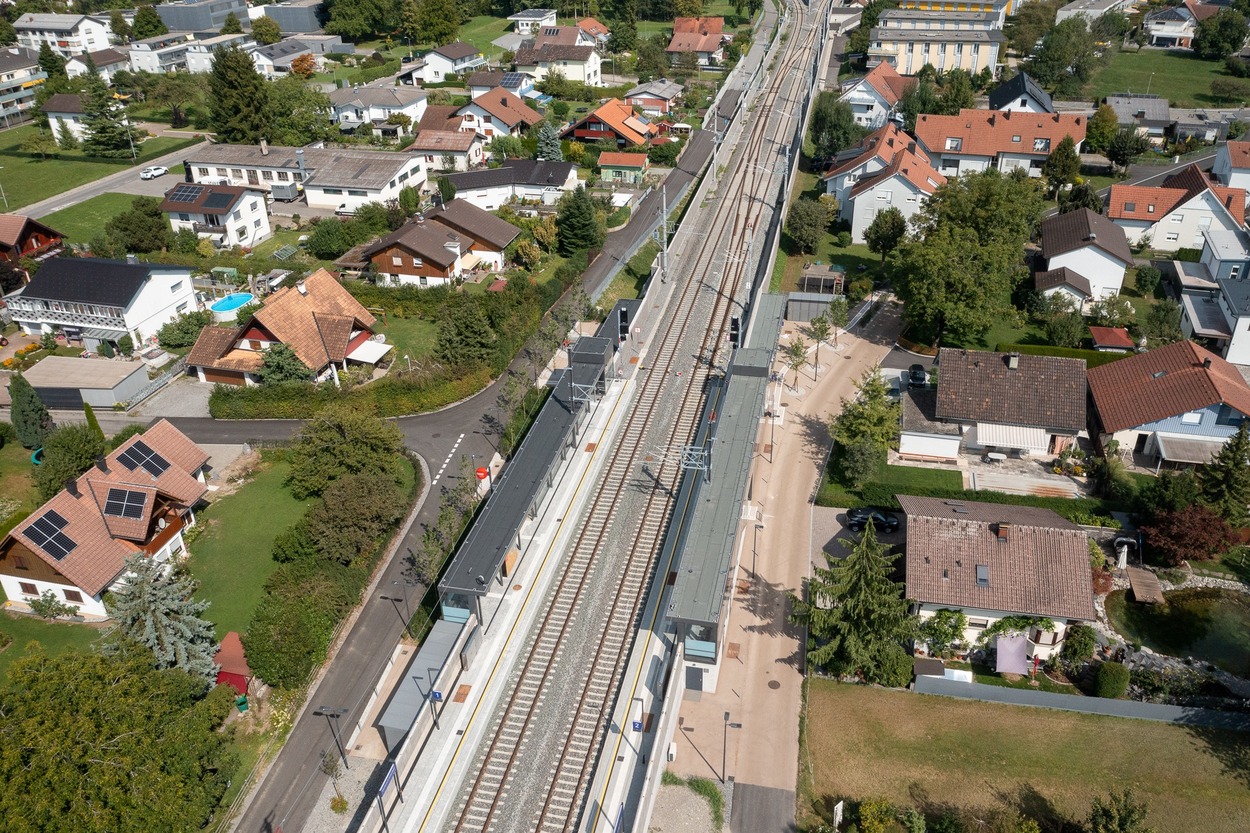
[[231, 559], [1184, 79], [414, 337], [902, 479], [932, 752], [79, 223], [55, 637], [16, 483], [27, 178]]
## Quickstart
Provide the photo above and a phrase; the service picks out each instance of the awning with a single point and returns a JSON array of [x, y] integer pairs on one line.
[[1187, 449], [370, 352], [469, 260], [101, 334], [1012, 436], [1012, 655]]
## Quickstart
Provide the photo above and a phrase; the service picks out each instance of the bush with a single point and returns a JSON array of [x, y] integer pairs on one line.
[[184, 330], [1188, 255], [1083, 511], [1112, 680], [1078, 645], [1148, 279], [844, 239], [7, 433]]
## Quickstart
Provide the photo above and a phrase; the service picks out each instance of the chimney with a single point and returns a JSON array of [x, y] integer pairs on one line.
[[264, 148], [1093, 235], [301, 288], [1013, 361], [1206, 363], [1001, 529], [102, 464], [71, 486], [299, 158], [133, 260]]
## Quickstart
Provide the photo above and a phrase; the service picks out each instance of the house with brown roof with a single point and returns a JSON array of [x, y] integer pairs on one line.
[[592, 28], [499, 112], [614, 120], [447, 150], [655, 98], [977, 140], [1085, 257], [1003, 402], [1175, 214], [484, 237], [707, 47], [451, 60], [886, 169], [1111, 340], [136, 501], [991, 561], [874, 97], [621, 168], [22, 236], [322, 323], [228, 215], [107, 62], [1176, 404], [577, 62]]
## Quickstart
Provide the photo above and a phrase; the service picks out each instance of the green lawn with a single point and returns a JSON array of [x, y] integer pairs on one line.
[[16, 484], [483, 29], [917, 750], [414, 337], [1182, 78], [988, 676], [55, 637], [231, 559], [901, 480], [27, 178], [79, 223]]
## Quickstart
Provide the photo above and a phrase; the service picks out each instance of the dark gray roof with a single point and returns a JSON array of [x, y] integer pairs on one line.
[[456, 51], [63, 103], [1137, 108], [1063, 276], [919, 415], [283, 49], [17, 57], [1040, 392], [1077, 229], [88, 280], [514, 172], [1017, 87]]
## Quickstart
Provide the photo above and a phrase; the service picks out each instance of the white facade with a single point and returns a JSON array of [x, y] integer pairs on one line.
[[461, 160], [476, 118], [199, 57], [67, 34], [165, 53], [530, 20], [438, 67], [1183, 226], [894, 191], [77, 66], [1091, 10], [493, 197], [369, 109], [871, 109], [1232, 165], [1042, 644], [588, 72], [57, 122], [245, 224], [1104, 272]]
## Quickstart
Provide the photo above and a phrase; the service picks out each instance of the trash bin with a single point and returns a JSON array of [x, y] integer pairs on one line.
[[241, 703]]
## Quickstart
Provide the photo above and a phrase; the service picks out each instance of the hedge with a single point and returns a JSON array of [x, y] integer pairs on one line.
[[1083, 511], [1093, 358], [1112, 680]]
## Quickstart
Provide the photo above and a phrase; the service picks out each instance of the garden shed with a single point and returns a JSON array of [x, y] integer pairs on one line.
[[66, 382]]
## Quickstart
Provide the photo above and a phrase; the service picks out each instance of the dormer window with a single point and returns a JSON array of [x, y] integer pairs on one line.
[[954, 144], [1041, 145], [1150, 209]]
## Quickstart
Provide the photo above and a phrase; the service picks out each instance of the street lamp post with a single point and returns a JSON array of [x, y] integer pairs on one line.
[[2, 194], [332, 716], [395, 600], [724, 748]]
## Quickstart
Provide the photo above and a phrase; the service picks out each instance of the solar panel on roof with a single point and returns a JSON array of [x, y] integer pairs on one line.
[[124, 503], [186, 192], [141, 455], [217, 200], [512, 79], [45, 533]]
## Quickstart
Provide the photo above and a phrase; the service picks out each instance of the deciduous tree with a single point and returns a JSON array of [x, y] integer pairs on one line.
[[795, 355], [1220, 35], [343, 439], [1195, 533], [67, 452], [819, 329], [358, 19], [885, 232], [465, 337], [153, 607], [832, 125], [298, 112], [1125, 146], [943, 629], [354, 511], [265, 30], [806, 224], [1120, 813], [439, 21], [142, 229], [869, 416], [1062, 166], [1101, 128], [1081, 196]]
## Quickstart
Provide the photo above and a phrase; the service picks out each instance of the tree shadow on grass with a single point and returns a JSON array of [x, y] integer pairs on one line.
[[1230, 748]]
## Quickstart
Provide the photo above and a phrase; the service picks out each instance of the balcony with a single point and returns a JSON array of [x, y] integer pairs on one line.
[[208, 229], [31, 315]]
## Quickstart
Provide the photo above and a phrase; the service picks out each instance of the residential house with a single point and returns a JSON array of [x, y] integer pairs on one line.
[[107, 62], [579, 64], [886, 169], [595, 30], [200, 15], [67, 34], [976, 140], [1175, 26], [321, 43], [275, 60], [1232, 165], [454, 59], [1147, 113], [1003, 402], [990, 562], [65, 112], [699, 25], [322, 323], [200, 53], [419, 253], [702, 36], [160, 53], [1206, 126], [1177, 403], [1091, 10], [228, 215], [485, 235], [655, 98], [1085, 255], [518, 83], [93, 300], [516, 181], [447, 150], [136, 501], [440, 117], [1215, 295], [375, 106], [498, 112], [20, 78], [22, 236], [910, 48], [618, 168], [1022, 93], [613, 121], [330, 177], [297, 15], [1174, 214], [527, 21], [1111, 340], [874, 97]]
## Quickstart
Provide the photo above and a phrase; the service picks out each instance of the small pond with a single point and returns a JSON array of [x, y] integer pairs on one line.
[[1207, 623]]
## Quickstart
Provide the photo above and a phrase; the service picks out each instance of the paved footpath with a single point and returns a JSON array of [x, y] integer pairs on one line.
[[761, 688]]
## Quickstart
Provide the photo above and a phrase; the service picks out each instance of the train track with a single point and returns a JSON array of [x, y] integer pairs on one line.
[[546, 736]]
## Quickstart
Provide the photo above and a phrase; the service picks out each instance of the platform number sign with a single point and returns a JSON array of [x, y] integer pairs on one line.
[[637, 725], [436, 696]]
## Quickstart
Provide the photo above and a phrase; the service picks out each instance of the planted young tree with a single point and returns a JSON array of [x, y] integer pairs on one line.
[[1120, 813], [92, 422], [29, 415], [885, 232], [795, 355], [48, 606], [819, 329], [869, 416], [838, 313]]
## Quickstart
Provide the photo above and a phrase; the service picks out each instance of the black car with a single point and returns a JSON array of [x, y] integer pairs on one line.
[[857, 519], [916, 376]]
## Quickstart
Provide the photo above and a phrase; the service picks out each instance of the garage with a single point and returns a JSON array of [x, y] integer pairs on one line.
[[65, 383], [923, 435], [225, 377]]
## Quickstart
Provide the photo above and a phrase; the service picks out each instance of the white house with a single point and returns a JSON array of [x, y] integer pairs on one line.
[[1021, 93], [497, 112], [1215, 294], [517, 181], [1175, 26], [200, 53], [581, 64], [447, 150], [911, 48], [331, 178], [1175, 214], [107, 63], [65, 112], [1232, 165], [20, 78], [134, 502], [95, 300], [67, 34], [1086, 256], [873, 98], [161, 53], [990, 561], [1091, 10], [228, 215], [374, 106], [656, 98], [976, 140], [885, 170], [527, 21], [445, 62], [274, 60], [518, 83]]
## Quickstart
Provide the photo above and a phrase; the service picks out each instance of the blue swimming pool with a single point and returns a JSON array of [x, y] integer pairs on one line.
[[233, 301]]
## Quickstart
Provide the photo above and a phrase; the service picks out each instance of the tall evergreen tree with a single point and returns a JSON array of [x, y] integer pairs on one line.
[[548, 144], [238, 97], [856, 615], [51, 63], [231, 25], [1226, 479], [465, 337], [578, 226], [153, 607], [106, 131], [148, 24], [30, 416], [92, 422]]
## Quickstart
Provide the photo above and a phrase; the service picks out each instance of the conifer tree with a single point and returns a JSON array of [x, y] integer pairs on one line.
[[578, 226], [30, 416], [1226, 479], [549, 144], [238, 97], [148, 24], [106, 131]]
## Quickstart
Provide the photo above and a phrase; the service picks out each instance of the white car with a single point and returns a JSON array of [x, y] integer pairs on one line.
[[153, 171]]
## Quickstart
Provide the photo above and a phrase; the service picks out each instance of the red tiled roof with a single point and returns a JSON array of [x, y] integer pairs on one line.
[[442, 141], [990, 132], [1134, 202], [1201, 11], [888, 83], [12, 226], [1239, 154], [693, 42], [699, 25], [507, 107], [1111, 337], [883, 143], [593, 27], [1162, 383], [620, 116], [618, 159], [908, 165]]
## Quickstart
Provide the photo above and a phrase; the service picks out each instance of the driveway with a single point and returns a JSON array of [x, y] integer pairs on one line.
[[183, 397]]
